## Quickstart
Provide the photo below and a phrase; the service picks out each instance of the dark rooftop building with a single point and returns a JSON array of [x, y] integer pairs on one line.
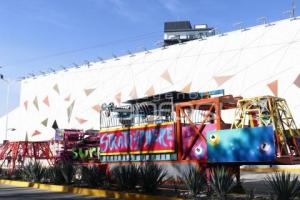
[[182, 31]]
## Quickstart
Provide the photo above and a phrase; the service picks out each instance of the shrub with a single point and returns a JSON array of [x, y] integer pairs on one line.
[[151, 177], [33, 172], [125, 176], [17, 174], [221, 181], [93, 176], [4, 173], [193, 180], [283, 185]]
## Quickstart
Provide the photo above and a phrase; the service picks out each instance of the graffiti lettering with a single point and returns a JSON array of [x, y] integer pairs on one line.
[[146, 139]]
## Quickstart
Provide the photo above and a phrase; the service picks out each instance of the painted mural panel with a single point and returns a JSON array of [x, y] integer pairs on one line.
[[141, 140], [199, 150], [241, 145]]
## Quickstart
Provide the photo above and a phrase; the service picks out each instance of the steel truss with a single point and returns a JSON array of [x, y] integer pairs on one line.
[[271, 111], [15, 153]]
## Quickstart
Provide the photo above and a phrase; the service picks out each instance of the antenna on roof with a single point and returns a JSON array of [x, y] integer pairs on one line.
[[32, 75], [146, 50], [238, 25], [52, 70], [163, 47], [115, 57], [43, 73], [131, 54], [293, 14], [87, 63], [64, 68], [101, 59], [218, 32], [159, 43], [22, 78], [287, 12], [263, 20], [75, 65]]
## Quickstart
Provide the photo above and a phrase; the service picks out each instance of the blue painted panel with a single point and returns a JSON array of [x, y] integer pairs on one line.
[[241, 145]]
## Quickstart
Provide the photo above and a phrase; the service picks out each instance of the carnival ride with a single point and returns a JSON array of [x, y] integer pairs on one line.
[[175, 127]]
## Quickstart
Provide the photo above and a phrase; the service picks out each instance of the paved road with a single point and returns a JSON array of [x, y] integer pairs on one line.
[[8, 192], [254, 180]]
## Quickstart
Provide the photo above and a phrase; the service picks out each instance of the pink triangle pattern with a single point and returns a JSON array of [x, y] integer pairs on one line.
[[220, 80], [297, 81], [35, 133], [26, 105], [81, 120], [46, 101], [273, 86]]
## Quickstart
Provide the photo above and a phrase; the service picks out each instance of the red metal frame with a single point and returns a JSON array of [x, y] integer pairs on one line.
[[211, 105], [16, 152]]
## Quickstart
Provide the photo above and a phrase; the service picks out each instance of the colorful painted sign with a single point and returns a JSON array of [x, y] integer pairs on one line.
[[241, 145], [59, 134], [138, 140], [199, 149]]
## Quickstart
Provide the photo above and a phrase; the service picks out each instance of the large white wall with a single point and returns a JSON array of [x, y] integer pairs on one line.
[[241, 62]]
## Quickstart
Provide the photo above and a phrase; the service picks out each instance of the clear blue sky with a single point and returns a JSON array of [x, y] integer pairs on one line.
[[36, 35]]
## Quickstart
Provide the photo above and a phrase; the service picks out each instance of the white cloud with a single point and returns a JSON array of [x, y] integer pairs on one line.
[[173, 6]]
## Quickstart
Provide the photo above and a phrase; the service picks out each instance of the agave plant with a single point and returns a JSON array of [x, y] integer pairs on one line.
[[126, 176], [193, 180], [54, 174], [283, 185], [68, 171], [93, 176], [221, 181], [33, 172], [250, 195], [151, 177]]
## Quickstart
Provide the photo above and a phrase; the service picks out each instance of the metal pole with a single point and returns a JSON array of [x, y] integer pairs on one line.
[[293, 9], [7, 107]]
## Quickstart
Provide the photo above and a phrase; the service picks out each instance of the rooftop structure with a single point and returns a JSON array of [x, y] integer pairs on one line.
[[182, 31]]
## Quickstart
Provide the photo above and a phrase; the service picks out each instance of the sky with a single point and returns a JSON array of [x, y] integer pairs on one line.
[[37, 35]]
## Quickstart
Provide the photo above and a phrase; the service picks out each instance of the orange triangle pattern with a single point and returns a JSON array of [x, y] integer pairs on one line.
[[297, 81], [187, 88], [133, 93], [220, 80], [80, 120], [46, 101], [88, 91], [68, 98], [167, 77], [118, 97], [273, 86], [97, 108], [36, 132], [26, 105], [150, 91], [56, 88]]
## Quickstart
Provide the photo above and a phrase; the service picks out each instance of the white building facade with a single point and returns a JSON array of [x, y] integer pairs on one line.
[[262, 60]]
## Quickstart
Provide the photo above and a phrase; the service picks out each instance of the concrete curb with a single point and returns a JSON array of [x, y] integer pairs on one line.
[[87, 191]]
